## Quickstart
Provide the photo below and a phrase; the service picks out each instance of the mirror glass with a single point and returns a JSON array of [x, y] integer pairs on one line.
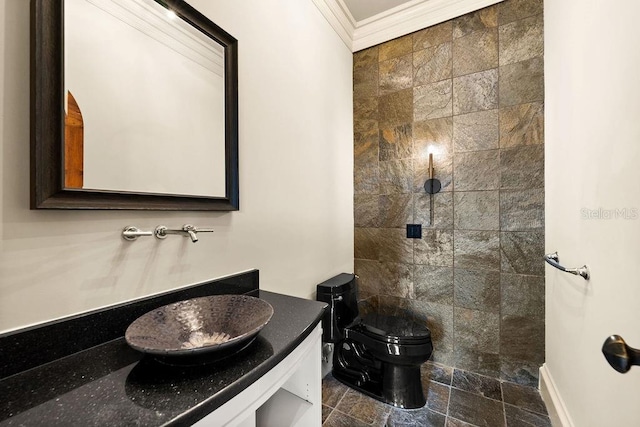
[[134, 106], [144, 100]]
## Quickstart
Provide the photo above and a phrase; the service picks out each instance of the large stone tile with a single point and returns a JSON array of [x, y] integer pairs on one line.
[[339, 419], [521, 252], [512, 10], [477, 170], [396, 74], [475, 409], [415, 417], [395, 108], [370, 273], [437, 396], [395, 48], [439, 320], [432, 64], [522, 338], [396, 176], [475, 330], [332, 391], [434, 249], [521, 82], [393, 245], [366, 174], [483, 363], [522, 167], [396, 280], [433, 284], [475, 52], [430, 372], [367, 243], [520, 371], [396, 143], [326, 411], [391, 305], [476, 131], [522, 295], [364, 408], [396, 210], [477, 384], [479, 20], [517, 417], [477, 250], [476, 210], [366, 178], [432, 36], [432, 100], [368, 305], [521, 40], [523, 397], [452, 422], [366, 209], [442, 210], [522, 210], [477, 290], [522, 125], [365, 82], [475, 92], [365, 58], [365, 115], [365, 147], [432, 136]]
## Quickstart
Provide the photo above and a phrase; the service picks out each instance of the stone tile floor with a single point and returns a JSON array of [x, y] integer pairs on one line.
[[455, 398]]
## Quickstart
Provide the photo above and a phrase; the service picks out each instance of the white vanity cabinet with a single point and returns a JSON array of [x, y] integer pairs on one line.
[[289, 395]]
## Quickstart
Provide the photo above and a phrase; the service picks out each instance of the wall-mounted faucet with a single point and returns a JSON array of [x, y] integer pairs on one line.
[[161, 232], [187, 230]]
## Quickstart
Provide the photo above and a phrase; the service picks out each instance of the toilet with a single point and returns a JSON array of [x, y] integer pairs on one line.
[[377, 354]]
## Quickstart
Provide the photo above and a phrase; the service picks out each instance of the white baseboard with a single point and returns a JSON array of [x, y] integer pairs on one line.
[[555, 405]]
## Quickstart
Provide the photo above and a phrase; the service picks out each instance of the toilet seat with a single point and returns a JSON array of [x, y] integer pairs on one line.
[[392, 329]]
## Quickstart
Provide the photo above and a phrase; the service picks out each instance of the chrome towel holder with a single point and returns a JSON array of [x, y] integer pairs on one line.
[[553, 260]]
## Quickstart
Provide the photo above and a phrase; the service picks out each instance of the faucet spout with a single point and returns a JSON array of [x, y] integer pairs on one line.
[[191, 231], [187, 230]]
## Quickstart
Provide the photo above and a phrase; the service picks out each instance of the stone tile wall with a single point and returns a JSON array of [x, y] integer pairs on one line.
[[470, 91]]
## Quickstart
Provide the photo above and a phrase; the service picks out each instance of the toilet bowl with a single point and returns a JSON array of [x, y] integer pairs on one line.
[[377, 354]]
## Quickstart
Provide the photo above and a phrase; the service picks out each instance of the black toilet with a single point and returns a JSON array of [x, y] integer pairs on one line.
[[376, 354]]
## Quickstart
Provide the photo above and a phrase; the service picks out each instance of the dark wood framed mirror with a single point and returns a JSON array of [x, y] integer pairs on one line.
[[51, 187]]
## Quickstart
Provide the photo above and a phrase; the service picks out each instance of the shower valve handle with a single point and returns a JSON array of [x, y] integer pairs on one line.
[[619, 355]]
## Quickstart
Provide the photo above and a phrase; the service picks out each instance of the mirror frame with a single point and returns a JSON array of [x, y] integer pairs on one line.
[[47, 121]]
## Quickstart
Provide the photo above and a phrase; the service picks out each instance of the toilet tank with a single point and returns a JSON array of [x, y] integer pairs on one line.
[[340, 292]]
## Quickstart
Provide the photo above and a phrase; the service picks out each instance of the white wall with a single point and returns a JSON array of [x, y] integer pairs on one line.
[[592, 154], [296, 188]]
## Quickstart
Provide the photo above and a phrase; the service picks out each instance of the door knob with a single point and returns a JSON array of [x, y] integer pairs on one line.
[[619, 355]]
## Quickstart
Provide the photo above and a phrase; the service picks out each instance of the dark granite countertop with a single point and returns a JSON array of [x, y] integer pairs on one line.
[[111, 384]]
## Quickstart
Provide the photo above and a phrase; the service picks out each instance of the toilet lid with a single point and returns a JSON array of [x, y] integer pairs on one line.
[[394, 328]]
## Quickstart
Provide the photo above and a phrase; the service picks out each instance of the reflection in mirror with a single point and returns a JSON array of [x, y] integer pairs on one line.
[[134, 106], [148, 91]]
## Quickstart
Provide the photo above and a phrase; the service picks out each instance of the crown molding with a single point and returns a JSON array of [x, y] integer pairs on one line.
[[339, 17], [399, 21], [151, 19]]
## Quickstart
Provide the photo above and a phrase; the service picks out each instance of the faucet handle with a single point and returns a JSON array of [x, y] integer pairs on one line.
[[131, 233]]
